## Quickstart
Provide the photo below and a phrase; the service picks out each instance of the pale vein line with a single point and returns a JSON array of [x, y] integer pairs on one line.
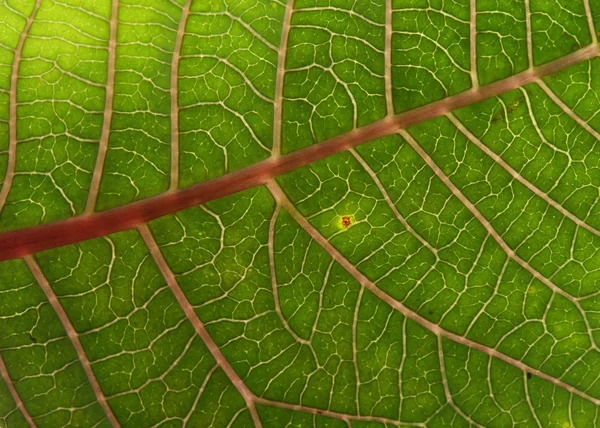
[[250, 398], [73, 336], [355, 346], [528, 398], [274, 285], [14, 394], [218, 60], [528, 34], [391, 204], [447, 392], [12, 118], [234, 417], [349, 10], [590, 19], [199, 394], [246, 26], [191, 315], [473, 42], [567, 110], [108, 109], [517, 176], [390, 111], [142, 386], [401, 369], [345, 417], [185, 13], [387, 51], [279, 79], [490, 229], [282, 199]]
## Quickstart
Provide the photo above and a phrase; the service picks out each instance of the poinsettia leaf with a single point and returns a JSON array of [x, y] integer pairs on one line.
[[299, 213]]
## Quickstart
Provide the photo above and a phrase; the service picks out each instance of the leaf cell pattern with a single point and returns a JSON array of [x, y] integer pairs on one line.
[[436, 265]]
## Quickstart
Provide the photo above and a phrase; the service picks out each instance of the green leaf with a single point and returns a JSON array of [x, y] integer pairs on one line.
[[236, 213]]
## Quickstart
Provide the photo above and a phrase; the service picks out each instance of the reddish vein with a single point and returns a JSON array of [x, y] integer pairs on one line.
[[73, 336], [12, 114], [494, 234], [108, 109], [285, 203], [19, 243], [447, 391], [517, 176], [389, 32], [188, 309], [185, 13], [274, 285], [342, 416], [13, 392], [590, 18], [250, 398], [279, 79], [473, 42]]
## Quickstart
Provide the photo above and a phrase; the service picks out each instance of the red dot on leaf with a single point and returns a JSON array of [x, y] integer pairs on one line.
[[346, 221]]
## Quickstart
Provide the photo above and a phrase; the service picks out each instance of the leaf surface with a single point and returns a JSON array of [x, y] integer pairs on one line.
[[304, 213]]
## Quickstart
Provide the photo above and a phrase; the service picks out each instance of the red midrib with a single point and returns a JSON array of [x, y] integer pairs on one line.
[[21, 242]]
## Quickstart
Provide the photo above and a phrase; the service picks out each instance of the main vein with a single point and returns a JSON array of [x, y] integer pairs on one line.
[[18, 243]]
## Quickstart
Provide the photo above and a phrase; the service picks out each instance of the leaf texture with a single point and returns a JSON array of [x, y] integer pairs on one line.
[[301, 213]]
